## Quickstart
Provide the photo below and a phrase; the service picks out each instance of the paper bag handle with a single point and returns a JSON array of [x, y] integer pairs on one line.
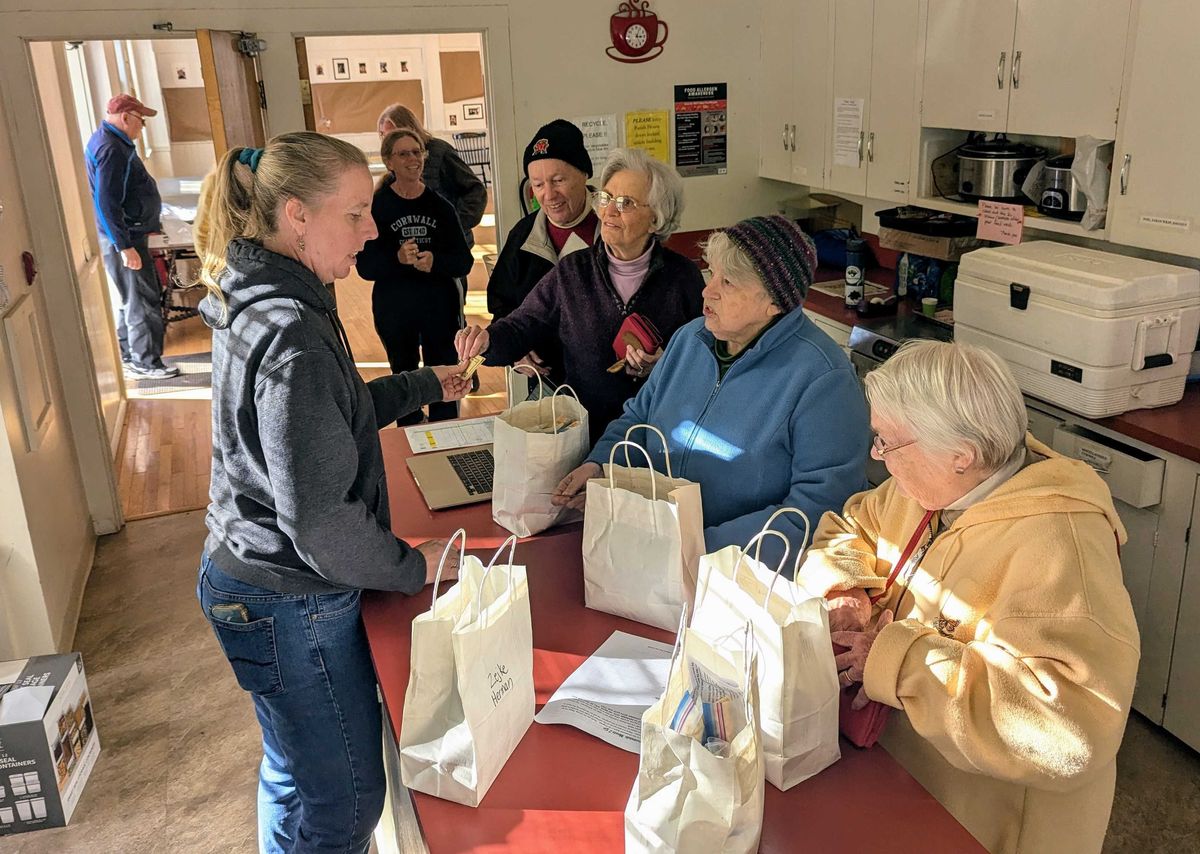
[[612, 453], [554, 397], [523, 369], [800, 554], [511, 544], [675, 653], [461, 536], [756, 541], [666, 450]]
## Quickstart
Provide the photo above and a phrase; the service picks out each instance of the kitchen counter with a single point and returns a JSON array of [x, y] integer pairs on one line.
[[1174, 429]]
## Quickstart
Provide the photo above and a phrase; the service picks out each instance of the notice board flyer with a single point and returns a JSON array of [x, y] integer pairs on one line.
[[701, 135]]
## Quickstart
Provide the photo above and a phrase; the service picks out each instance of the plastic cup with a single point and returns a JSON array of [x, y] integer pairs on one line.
[[929, 306]]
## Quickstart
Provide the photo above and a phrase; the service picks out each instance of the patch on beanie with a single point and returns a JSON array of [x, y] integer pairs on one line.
[[541, 146]]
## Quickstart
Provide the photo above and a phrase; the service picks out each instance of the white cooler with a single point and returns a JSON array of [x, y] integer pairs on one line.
[[1093, 332]]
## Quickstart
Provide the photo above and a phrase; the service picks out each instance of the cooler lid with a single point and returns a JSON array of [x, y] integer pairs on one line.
[[1085, 277]]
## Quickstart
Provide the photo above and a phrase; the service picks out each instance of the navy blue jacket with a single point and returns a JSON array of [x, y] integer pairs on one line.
[[128, 206]]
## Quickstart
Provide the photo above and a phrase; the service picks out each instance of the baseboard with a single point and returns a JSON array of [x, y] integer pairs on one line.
[[65, 635]]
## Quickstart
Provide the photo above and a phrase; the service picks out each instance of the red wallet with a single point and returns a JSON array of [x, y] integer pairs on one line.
[[636, 331], [861, 727]]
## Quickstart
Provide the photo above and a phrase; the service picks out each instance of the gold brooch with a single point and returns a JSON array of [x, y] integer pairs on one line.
[[946, 627]]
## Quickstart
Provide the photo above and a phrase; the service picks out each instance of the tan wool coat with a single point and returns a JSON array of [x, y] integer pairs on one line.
[[1013, 652]]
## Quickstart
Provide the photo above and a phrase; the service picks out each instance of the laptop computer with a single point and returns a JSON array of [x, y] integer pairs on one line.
[[454, 478]]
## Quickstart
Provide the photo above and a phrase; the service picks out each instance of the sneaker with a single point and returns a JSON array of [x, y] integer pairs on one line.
[[163, 372]]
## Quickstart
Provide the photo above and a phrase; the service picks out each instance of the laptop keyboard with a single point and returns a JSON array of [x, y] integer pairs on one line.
[[475, 469]]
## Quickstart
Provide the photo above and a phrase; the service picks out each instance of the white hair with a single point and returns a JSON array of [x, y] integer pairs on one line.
[[952, 396], [718, 249], [665, 198]]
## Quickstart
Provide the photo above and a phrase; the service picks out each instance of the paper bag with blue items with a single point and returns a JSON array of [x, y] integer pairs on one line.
[[700, 776], [797, 678], [470, 692]]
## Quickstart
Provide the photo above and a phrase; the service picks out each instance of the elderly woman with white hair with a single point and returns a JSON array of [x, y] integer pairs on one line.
[[978, 594], [581, 303], [758, 405]]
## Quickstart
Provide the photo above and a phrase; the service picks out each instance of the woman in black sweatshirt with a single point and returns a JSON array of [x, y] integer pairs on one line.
[[413, 262]]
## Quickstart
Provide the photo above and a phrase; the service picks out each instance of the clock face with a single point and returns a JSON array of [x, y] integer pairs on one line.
[[635, 36]]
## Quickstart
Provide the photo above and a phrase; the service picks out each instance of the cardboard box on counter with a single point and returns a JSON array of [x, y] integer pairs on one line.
[[48, 741], [939, 248], [821, 211]]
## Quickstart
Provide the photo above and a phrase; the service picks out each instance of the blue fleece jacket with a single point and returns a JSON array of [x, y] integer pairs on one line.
[[786, 427], [128, 205]]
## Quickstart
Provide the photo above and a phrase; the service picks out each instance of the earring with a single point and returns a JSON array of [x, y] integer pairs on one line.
[[300, 243], [960, 471]]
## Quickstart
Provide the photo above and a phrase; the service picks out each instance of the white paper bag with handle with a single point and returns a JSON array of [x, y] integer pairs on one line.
[[470, 692], [643, 535], [535, 445], [688, 798], [797, 679]]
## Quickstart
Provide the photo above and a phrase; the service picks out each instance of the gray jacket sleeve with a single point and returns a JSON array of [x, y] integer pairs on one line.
[[303, 409], [396, 395]]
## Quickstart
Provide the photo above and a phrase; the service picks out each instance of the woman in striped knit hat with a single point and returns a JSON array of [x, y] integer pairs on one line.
[[759, 406]]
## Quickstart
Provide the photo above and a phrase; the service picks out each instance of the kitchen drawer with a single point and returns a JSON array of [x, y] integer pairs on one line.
[[1132, 476]]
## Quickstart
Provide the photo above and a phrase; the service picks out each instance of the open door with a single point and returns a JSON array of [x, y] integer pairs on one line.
[[306, 97], [236, 104]]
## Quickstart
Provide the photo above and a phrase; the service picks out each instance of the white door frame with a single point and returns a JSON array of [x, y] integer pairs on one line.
[[18, 89]]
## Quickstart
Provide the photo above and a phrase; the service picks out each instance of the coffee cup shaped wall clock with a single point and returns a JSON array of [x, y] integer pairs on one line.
[[637, 33]]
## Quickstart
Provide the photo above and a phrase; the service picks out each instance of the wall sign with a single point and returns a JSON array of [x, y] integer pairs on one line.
[[600, 136], [637, 34], [701, 138], [1001, 222], [648, 129]]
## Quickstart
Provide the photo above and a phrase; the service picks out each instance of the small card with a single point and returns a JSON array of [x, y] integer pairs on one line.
[[1001, 222], [472, 367]]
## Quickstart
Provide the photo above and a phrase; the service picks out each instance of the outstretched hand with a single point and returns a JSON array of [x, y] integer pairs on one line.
[[454, 387], [570, 491], [852, 663]]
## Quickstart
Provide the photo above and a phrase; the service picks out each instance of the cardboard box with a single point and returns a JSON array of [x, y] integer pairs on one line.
[[48, 741], [939, 248], [821, 211]]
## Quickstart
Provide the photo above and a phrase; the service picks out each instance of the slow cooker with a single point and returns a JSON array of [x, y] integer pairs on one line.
[[995, 169], [1062, 196]]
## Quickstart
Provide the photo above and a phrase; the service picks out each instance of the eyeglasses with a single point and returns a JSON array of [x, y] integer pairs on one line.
[[882, 447], [604, 199], [409, 154]]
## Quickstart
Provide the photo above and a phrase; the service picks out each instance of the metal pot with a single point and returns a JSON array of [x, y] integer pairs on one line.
[[995, 169], [1062, 197]]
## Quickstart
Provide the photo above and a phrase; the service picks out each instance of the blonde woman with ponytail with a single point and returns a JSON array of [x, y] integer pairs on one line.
[[298, 516]]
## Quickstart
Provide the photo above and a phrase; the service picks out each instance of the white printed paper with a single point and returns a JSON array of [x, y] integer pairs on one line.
[[600, 136], [607, 694], [448, 435], [847, 131]]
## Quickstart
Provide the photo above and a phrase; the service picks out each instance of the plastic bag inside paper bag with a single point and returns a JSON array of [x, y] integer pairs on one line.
[[1092, 169]]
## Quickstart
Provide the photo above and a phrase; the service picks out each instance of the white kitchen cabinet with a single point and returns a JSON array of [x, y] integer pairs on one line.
[[1154, 198], [793, 75], [875, 62], [1030, 67]]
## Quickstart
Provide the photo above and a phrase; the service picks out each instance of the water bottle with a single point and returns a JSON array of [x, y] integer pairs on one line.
[[856, 253], [902, 276]]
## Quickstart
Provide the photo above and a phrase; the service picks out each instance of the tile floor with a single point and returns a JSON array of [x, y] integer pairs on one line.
[[181, 745]]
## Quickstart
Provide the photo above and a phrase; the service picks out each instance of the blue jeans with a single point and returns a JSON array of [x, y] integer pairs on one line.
[[304, 661]]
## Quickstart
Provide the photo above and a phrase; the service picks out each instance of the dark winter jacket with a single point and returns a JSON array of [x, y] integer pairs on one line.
[[298, 498], [575, 307], [126, 199]]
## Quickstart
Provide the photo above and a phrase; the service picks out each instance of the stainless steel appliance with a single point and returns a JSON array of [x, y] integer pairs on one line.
[[872, 342], [995, 169], [1062, 196]]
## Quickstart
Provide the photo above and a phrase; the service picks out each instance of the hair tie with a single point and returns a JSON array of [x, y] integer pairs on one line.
[[250, 157]]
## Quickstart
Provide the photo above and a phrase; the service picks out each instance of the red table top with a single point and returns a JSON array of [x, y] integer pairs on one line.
[[563, 790]]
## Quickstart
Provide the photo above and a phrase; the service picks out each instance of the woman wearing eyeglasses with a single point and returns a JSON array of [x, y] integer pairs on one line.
[[1009, 662], [582, 302], [414, 261]]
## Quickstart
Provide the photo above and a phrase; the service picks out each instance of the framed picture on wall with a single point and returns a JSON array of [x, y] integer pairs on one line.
[[320, 69], [362, 69], [383, 66], [341, 69], [472, 111]]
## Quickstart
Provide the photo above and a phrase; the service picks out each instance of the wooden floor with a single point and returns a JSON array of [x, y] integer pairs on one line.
[[165, 452]]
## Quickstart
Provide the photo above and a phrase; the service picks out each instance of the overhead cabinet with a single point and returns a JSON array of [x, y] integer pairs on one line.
[[871, 112], [1028, 67]]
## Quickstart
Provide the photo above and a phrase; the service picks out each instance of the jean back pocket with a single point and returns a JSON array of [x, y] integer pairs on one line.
[[250, 648]]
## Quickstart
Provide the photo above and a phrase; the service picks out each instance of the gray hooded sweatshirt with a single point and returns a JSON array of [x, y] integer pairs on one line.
[[298, 500]]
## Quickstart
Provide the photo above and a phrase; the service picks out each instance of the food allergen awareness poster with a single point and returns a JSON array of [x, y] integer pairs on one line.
[[701, 139], [648, 129]]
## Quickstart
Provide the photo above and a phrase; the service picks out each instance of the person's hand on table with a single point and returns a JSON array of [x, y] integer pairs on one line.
[[638, 362], [852, 663], [470, 342], [570, 491], [432, 550], [533, 360], [454, 387], [131, 259], [849, 610], [407, 254], [424, 261]]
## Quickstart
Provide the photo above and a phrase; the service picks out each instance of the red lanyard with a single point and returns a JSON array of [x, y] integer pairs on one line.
[[905, 555]]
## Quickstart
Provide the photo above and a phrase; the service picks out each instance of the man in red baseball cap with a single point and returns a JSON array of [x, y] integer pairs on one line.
[[128, 210]]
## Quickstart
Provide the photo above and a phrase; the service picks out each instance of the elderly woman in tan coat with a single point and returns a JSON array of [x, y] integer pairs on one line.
[[1006, 645]]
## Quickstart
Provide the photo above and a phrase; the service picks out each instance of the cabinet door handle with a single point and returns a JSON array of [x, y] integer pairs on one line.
[[871, 147], [1016, 72], [785, 136], [793, 137], [1000, 69], [861, 137], [1125, 173]]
